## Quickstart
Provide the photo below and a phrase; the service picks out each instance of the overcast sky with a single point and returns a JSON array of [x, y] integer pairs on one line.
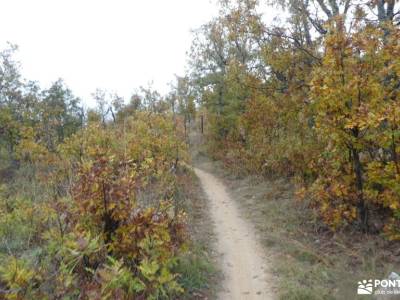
[[113, 44]]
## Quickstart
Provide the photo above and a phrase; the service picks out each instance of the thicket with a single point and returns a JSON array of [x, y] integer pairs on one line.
[[89, 201], [315, 97]]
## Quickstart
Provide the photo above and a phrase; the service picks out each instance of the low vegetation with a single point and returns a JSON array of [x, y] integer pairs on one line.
[[92, 207]]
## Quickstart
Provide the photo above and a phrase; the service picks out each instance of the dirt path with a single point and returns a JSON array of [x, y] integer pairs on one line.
[[243, 261]]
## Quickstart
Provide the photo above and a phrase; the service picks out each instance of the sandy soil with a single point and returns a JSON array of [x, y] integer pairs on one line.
[[246, 273]]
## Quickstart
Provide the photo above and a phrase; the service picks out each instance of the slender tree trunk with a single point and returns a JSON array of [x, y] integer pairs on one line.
[[358, 170]]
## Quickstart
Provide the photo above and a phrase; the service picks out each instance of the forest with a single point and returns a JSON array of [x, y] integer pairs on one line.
[[95, 202]]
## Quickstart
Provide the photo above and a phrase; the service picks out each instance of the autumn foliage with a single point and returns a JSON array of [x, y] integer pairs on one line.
[[89, 199], [315, 99], [356, 97], [98, 238]]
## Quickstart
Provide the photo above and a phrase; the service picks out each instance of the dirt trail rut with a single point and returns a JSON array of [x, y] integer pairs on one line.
[[243, 262]]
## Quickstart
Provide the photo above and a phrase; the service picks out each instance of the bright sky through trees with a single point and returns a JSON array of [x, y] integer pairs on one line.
[[118, 45]]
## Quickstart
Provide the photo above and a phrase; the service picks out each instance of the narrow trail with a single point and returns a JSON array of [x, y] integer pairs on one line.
[[243, 262]]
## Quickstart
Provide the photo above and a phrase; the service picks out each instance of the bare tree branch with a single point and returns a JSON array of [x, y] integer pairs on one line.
[[334, 6], [325, 8]]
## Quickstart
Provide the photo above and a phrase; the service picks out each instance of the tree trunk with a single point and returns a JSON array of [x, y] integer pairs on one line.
[[358, 170]]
